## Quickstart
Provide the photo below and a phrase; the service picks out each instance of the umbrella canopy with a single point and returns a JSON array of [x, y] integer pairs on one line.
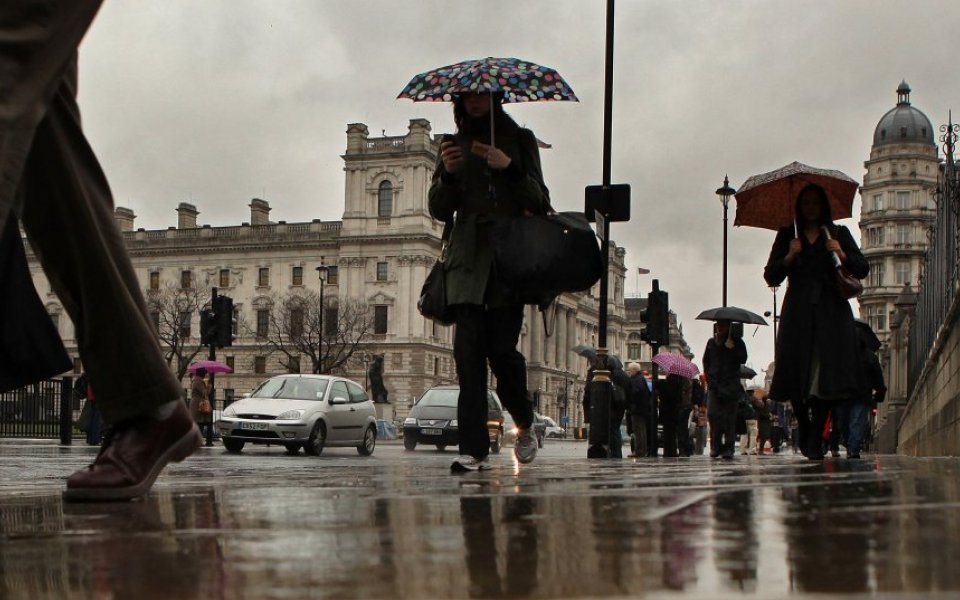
[[210, 366], [518, 80], [731, 313], [677, 364], [768, 200], [590, 353], [746, 372], [867, 334]]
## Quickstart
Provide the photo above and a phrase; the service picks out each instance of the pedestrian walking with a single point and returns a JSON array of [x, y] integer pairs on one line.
[[764, 421], [817, 355], [51, 182], [872, 392], [670, 393], [200, 406], [638, 405], [748, 412], [724, 354], [698, 415], [474, 183]]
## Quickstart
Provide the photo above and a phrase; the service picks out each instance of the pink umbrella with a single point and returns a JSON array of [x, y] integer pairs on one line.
[[677, 364], [211, 366]]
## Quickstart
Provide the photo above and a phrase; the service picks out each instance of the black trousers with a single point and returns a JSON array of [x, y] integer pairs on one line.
[[670, 418], [482, 335], [722, 415]]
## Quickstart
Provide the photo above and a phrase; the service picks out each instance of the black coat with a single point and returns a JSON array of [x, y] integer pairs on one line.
[[722, 366], [815, 319]]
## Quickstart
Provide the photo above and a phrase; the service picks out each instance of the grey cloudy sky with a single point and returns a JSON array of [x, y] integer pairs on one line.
[[218, 101]]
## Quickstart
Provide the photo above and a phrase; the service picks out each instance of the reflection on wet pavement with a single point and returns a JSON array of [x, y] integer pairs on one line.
[[398, 525]]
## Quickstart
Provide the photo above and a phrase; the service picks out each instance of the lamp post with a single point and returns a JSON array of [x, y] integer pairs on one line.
[[725, 192], [322, 273]]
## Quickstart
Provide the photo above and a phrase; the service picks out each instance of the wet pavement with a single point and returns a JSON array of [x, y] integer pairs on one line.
[[399, 525]]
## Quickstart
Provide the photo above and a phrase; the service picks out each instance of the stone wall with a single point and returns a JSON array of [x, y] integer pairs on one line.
[[930, 423]]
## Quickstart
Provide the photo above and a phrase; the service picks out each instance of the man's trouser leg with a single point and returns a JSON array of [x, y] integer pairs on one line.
[[640, 432], [68, 215], [471, 361]]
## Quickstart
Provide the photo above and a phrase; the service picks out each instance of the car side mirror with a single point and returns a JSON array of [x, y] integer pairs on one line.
[[338, 400]]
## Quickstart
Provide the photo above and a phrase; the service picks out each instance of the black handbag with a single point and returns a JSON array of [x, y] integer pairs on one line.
[[432, 303], [546, 254]]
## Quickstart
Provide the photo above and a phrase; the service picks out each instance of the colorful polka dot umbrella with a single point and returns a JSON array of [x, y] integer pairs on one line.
[[518, 80]]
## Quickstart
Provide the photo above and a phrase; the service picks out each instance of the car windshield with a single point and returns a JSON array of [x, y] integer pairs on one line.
[[440, 398], [550, 422], [292, 388]]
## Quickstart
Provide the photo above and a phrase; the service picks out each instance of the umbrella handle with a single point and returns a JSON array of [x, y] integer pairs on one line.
[[836, 258], [492, 140]]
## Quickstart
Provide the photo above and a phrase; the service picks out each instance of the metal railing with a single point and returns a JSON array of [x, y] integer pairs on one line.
[[940, 272], [42, 410]]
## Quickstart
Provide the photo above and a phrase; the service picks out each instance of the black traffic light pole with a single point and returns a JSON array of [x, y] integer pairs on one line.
[[212, 355]]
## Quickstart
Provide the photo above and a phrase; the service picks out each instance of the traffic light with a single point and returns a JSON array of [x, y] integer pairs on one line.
[[208, 327], [656, 317], [223, 314]]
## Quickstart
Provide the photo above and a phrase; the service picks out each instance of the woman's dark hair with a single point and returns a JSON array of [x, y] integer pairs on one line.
[[825, 217], [466, 124], [201, 372]]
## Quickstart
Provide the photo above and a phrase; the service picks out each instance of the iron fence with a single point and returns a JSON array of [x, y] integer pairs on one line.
[[940, 273], [41, 410]]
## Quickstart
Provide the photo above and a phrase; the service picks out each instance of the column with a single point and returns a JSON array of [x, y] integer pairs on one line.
[[563, 349]]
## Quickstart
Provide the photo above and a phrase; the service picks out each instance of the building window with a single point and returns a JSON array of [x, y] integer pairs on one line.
[[263, 279], [903, 200], [332, 275], [55, 317], [436, 365], [229, 361], [385, 199], [298, 276], [876, 274], [260, 365], [224, 278], [875, 237], [186, 279], [77, 365], [878, 201], [381, 271], [263, 322], [380, 319], [155, 280], [877, 317], [185, 319], [903, 273], [904, 234], [331, 320], [296, 322]]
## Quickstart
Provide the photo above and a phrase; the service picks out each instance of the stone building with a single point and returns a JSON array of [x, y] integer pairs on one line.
[[898, 208], [379, 254]]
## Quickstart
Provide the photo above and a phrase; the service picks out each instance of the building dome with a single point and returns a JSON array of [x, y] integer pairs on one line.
[[903, 124]]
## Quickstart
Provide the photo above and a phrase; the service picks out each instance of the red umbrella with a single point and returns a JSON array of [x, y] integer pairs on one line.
[[210, 366], [768, 200]]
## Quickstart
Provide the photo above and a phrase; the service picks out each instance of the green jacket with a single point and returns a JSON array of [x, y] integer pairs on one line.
[[467, 193]]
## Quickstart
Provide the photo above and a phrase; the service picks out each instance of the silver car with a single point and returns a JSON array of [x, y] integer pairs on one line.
[[302, 411]]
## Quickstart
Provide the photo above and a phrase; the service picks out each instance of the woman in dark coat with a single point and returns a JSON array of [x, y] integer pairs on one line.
[[816, 345], [477, 182]]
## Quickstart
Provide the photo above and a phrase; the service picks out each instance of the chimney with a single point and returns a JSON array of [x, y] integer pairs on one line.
[[187, 216], [124, 218], [357, 138], [259, 212]]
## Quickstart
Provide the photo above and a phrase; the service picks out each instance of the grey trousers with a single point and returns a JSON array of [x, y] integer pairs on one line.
[[51, 178]]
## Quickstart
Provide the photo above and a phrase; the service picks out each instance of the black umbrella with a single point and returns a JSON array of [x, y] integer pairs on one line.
[[746, 372], [867, 334], [590, 353], [731, 313]]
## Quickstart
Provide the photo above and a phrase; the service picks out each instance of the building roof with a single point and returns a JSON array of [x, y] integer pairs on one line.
[[903, 124]]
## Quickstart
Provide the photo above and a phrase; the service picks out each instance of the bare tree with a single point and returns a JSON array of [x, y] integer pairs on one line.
[[173, 309], [296, 322]]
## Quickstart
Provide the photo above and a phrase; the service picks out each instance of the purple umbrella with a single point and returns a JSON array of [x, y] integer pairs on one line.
[[677, 364], [210, 366]]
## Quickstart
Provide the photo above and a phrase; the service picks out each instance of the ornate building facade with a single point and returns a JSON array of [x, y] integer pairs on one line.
[[898, 208], [379, 255]]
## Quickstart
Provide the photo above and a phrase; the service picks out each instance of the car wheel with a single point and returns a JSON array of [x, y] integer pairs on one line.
[[233, 446], [409, 443], [497, 443], [441, 447], [293, 448], [318, 438], [369, 442]]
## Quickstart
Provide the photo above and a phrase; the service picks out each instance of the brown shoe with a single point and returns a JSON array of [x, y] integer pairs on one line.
[[133, 454]]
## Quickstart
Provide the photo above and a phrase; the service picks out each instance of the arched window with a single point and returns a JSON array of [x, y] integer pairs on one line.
[[385, 199]]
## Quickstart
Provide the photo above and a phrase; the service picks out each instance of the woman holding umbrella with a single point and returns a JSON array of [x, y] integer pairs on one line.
[[817, 348], [477, 181]]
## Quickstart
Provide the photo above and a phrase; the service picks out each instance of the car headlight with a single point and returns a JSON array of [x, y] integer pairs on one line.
[[290, 414], [409, 421], [230, 411], [515, 431], [453, 423]]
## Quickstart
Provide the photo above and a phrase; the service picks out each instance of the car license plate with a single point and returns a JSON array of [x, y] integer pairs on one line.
[[426, 431], [258, 426]]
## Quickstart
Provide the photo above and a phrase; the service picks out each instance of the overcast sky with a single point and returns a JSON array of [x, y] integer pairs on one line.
[[215, 102]]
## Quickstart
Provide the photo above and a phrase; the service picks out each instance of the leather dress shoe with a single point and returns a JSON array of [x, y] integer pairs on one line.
[[132, 455]]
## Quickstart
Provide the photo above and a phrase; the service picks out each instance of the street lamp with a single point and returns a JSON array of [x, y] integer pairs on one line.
[[322, 273], [725, 192]]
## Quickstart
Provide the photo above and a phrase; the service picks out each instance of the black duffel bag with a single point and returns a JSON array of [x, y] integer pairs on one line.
[[432, 303], [546, 254]]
